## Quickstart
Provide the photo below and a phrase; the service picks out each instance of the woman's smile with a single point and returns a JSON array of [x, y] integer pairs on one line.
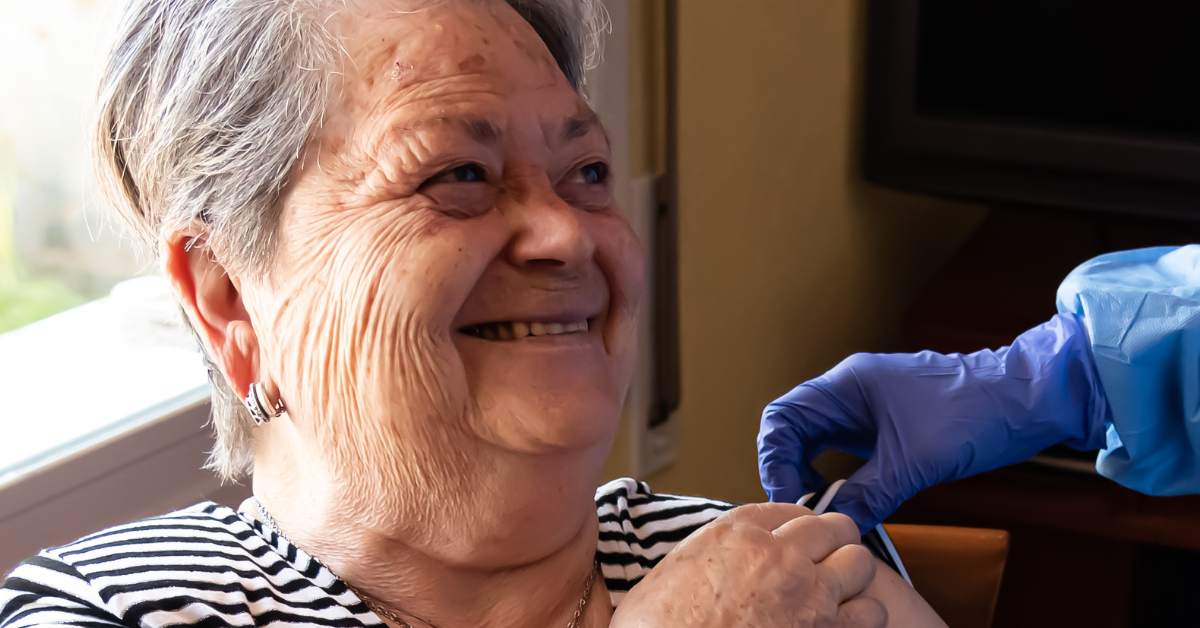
[[543, 318], [519, 330]]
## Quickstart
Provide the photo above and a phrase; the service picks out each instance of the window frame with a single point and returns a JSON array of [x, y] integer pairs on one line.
[[145, 466]]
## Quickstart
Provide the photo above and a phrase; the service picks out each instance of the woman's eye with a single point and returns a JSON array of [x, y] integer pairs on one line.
[[463, 201], [588, 188], [466, 173], [594, 173]]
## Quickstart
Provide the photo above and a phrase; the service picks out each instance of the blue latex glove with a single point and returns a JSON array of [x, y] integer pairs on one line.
[[924, 418], [1142, 313]]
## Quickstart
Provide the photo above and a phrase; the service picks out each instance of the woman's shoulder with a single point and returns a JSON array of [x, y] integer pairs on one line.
[[633, 515], [627, 499], [79, 579], [638, 527], [206, 522], [204, 564], [197, 528]]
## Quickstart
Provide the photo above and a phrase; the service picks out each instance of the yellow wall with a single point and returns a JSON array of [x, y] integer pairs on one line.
[[788, 262]]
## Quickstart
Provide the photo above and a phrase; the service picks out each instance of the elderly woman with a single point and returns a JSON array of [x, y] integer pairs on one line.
[[390, 224]]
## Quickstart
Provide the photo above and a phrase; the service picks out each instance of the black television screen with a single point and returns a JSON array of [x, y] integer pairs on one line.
[[1091, 104]]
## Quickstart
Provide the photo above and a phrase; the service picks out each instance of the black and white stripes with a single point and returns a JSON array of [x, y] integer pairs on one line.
[[638, 528], [214, 567], [203, 566]]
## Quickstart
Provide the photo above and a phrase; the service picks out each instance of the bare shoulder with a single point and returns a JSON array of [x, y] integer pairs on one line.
[[906, 608]]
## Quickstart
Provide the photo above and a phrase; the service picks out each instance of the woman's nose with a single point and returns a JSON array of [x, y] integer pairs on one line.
[[550, 234]]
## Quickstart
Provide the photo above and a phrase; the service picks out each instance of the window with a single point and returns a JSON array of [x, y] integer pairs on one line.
[[88, 356], [56, 249]]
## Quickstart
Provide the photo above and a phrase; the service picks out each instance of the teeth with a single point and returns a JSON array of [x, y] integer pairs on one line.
[[519, 330]]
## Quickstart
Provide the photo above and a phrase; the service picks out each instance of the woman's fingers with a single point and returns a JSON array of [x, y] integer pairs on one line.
[[847, 572], [862, 612], [768, 516], [817, 536], [768, 565]]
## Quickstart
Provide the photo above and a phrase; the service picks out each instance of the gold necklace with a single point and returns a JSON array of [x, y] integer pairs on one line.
[[379, 608]]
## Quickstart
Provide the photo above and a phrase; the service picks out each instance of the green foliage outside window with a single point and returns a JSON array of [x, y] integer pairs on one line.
[[24, 300]]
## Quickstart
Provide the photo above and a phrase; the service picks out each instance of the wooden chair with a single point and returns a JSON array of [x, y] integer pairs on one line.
[[957, 570]]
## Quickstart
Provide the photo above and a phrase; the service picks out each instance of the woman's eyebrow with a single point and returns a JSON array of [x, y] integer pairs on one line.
[[576, 127], [480, 129]]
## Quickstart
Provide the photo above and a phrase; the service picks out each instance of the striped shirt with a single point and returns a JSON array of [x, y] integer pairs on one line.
[[212, 566]]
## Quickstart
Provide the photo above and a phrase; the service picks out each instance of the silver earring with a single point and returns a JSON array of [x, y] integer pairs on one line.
[[260, 409]]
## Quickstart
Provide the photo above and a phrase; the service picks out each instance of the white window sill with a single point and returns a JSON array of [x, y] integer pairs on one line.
[[92, 372]]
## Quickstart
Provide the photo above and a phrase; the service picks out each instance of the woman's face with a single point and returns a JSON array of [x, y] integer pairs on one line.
[[455, 285]]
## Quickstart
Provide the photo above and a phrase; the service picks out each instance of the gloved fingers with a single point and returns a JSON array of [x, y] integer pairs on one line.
[[787, 480], [784, 462], [830, 412], [781, 480], [868, 496], [862, 612]]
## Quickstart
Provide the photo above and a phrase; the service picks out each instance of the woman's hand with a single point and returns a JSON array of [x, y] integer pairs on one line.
[[760, 565]]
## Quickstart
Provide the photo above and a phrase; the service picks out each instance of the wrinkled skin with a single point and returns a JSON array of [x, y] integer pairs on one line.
[[459, 180], [774, 565], [784, 554]]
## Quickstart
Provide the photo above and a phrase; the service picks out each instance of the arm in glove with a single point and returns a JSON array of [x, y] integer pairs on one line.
[[924, 418]]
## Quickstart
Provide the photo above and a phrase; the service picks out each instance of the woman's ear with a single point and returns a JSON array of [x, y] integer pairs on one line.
[[211, 297]]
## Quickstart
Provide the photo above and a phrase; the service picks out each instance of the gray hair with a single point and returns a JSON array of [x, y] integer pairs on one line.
[[205, 106]]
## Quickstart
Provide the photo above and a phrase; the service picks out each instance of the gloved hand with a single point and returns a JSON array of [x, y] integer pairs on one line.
[[924, 418]]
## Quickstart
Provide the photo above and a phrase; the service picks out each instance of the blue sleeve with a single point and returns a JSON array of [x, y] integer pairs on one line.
[[1141, 310]]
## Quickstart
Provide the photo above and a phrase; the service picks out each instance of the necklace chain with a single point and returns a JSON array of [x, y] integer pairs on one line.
[[379, 608]]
